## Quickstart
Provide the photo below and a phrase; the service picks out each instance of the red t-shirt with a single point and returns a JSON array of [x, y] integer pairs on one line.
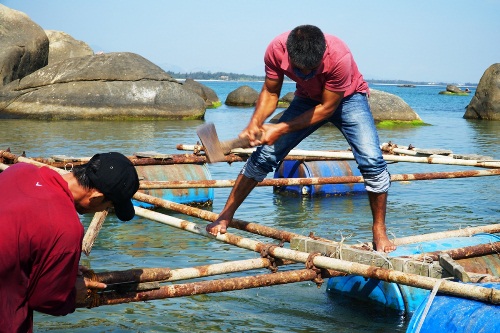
[[338, 70], [40, 246]]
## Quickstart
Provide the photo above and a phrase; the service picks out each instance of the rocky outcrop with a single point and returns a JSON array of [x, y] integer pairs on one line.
[[24, 46], [384, 107], [107, 86], [285, 101], [389, 107], [209, 95], [485, 103], [454, 90], [242, 96], [63, 46]]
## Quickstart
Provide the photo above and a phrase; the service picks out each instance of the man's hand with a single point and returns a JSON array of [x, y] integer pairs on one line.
[[253, 133], [271, 132], [83, 286]]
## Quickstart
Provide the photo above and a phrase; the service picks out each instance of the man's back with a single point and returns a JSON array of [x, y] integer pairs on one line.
[[40, 244]]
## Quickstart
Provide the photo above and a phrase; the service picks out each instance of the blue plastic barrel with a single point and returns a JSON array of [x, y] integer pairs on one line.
[[312, 169], [177, 172], [459, 315], [397, 296]]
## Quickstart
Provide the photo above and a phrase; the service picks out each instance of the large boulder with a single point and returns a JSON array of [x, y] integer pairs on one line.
[[24, 46], [485, 104], [106, 86], [208, 94], [63, 46], [384, 107], [389, 107], [285, 101], [242, 96]]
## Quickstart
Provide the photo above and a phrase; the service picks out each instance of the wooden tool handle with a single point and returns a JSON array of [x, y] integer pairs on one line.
[[237, 143]]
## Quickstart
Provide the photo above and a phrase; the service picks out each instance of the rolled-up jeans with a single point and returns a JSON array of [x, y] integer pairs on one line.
[[354, 120]]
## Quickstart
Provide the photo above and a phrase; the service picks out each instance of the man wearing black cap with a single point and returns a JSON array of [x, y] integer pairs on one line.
[[41, 233]]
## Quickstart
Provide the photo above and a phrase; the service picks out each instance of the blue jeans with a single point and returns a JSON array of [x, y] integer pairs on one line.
[[354, 120]]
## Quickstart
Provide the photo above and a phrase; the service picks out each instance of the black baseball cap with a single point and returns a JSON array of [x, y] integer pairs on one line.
[[117, 179]]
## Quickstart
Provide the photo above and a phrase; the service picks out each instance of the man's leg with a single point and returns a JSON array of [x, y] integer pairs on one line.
[[354, 119], [261, 162], [241, 189], [378, 205]]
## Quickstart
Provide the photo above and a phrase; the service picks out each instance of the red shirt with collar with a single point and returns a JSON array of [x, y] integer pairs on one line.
[[40, 246], [338, 70]]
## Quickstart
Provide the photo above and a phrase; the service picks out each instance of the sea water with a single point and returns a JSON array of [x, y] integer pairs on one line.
[[413, 208]]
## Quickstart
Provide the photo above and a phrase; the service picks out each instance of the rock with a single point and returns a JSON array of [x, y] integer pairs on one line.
[[384, 107], [209, 95], [107, 86], [62, 46], [24, 46], [285, 101], [243, 96], [453, 89], [485, 104]]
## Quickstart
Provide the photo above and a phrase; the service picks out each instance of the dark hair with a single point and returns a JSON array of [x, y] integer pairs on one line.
[[80, 173], [306, 46]]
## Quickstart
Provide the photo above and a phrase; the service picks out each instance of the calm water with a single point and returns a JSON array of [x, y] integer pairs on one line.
[[414, 208]]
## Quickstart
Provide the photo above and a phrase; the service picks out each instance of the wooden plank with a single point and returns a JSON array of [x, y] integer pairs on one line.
[[64, 158], [454, 268], [433, 151], [152, 154], [372, 258]]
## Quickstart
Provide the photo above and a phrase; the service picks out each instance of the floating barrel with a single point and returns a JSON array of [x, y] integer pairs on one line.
[[406, 298], [459, 315], [312, 169], [177, 172]]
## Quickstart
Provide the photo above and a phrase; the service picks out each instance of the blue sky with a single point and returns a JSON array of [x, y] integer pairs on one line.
[[445, 41]]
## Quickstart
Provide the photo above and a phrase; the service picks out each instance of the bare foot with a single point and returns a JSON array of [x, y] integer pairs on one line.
[[381, 242], [218, 226]]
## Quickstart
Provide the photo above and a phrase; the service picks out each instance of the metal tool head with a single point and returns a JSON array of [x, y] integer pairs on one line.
[[210, 141]]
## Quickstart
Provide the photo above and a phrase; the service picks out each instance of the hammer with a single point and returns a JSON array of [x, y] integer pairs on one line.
[[215, 149]]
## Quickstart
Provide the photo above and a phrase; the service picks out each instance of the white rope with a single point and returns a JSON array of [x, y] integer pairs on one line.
[[428, 305]]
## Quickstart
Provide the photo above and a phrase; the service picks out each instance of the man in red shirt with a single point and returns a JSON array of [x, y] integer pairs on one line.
[[41, 233], [330, 88]]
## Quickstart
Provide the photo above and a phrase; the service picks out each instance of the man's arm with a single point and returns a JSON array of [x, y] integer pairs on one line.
[[266, 104], [322, 111]]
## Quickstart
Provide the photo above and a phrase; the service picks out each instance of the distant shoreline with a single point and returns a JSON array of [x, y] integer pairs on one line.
[[222, 76]]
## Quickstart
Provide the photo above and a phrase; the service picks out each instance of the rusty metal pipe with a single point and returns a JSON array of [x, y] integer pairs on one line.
[[463, 252], [203, 287]]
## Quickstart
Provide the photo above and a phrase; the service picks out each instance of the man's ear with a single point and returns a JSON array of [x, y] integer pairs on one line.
[[96, 195]]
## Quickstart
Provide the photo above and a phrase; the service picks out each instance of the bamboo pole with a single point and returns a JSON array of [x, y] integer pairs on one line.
[[99, 217], [177, 184], [483, 294], [346, 155], [140, 275], [210, 216], [92, 231], [466, 232]]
